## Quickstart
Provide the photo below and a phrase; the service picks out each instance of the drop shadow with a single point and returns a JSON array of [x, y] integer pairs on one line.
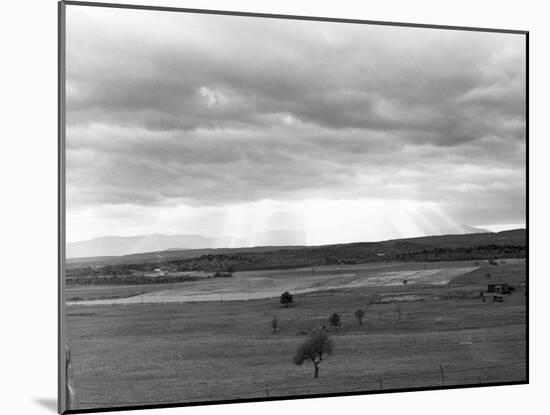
[[48, 403]]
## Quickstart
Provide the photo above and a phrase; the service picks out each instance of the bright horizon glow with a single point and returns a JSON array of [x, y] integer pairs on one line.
[[269, 222], [503, 227]]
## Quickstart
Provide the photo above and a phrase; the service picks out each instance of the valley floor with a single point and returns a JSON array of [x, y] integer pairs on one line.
[[417, 335]]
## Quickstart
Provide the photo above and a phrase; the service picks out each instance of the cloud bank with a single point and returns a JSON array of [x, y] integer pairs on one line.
[[176, 109]]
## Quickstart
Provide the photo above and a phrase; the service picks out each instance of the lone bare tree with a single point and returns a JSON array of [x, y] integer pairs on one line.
[[286, 298], [314, 348], [398, 311], [334, 320], [359, 314], [274, 324]]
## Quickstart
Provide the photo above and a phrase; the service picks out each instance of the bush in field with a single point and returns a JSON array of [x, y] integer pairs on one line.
[[286, 298], [274, 324], [334, 320], [314, 348], [359, 314], [220, 274]]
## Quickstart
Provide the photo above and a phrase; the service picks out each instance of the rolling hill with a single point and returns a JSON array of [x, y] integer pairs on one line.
[[477, 245]]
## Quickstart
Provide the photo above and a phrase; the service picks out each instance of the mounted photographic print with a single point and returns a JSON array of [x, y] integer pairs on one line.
[[258, 207]]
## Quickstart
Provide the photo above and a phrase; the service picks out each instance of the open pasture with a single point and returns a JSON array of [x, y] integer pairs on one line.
[[250, 285], [197, 351]]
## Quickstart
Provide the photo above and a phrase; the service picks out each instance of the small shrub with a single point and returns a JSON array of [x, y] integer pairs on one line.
[[334, 320], [286, 298], [359, 314]]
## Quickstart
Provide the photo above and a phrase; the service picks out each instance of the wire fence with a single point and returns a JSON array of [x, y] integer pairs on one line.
[[441, 375], [144, 358], [376, 378]]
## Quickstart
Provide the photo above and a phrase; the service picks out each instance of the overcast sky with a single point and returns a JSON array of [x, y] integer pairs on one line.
[[229, 126]]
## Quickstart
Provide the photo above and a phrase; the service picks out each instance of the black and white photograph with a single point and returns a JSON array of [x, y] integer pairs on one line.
[[261, 207]]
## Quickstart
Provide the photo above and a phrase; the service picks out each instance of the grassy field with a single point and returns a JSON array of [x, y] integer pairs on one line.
[[167, 353], [249, 285]]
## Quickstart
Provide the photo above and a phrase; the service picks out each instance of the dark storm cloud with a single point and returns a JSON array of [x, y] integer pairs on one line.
[[175, 108]]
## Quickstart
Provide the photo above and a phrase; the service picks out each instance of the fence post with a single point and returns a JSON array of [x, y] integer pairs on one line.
[[69, 394]]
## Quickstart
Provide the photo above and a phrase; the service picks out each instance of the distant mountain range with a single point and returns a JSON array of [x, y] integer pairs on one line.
[[462, 230], [466, 246], [127, 245], [112, 246], [124, 245]]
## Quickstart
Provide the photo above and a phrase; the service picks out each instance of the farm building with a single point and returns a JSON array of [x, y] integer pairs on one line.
[[499, 288], [156, 273]]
